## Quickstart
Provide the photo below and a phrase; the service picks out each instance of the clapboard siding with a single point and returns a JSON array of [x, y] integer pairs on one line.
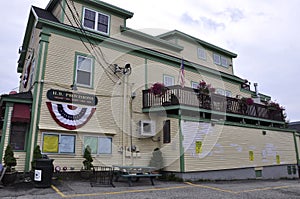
[[228, 147]]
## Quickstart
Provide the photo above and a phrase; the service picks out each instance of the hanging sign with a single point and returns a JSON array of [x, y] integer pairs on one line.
[[72, 98], [73, 111]]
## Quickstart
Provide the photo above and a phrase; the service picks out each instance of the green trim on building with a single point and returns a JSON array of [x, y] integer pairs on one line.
[[182, 160], [146, 74], [37, 99], [296, 148], [175, 33], [62, 14], [95, 3], [151, 39]]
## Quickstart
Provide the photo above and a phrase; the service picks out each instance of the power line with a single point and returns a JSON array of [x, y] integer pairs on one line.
[[88, 40]]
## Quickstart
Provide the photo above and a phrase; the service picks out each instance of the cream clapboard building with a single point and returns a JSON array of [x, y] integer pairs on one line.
[[86, 79]]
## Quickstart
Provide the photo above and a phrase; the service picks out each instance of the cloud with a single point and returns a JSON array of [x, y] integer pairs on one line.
[[206, 23], [235, 14]]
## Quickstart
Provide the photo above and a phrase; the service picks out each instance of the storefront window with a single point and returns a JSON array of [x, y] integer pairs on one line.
[[18, 136], [58, 143]]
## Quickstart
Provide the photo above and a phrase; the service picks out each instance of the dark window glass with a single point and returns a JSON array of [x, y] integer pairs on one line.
[[18, 136], [102, 23], [89, 19], [167, 132]]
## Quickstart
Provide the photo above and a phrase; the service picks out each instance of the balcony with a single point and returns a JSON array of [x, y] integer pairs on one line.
[[186, 101]]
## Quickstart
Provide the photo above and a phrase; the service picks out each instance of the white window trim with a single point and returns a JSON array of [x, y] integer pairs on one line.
[[59, 138], [203, 52], [194, 84], [91, 72], [96, 21], [171, 77], [224, 59]]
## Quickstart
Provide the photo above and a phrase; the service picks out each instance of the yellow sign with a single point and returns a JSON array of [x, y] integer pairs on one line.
[[251, 155], [278, 159], [198, 147], [50, 144]]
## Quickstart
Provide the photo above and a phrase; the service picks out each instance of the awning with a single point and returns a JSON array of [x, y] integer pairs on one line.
[[21, 113]]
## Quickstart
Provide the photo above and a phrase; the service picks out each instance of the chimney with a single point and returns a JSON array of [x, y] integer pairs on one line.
[[256, 90]]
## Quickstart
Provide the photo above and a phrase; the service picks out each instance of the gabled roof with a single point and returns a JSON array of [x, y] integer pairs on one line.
[[24, 97], [44, 14], [176, 33], [114, 9]]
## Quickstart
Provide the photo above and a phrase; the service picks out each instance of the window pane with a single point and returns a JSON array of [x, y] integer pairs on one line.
[[50, 143], [84, 64], [224, 61], [167, 132], [195, 85], [201, 53], [228, 93], [83, 78], [92, 142], [89, 19], [84, 70], [17, 136], [103, 19], [168, 80], [217, 59], [220, 91], [102, 23], [103, 28], [105, 145], [67, 144]]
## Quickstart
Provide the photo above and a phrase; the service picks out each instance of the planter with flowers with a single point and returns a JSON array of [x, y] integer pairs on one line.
[[246, 102], [203, 92], [158, 90], [275, 111]]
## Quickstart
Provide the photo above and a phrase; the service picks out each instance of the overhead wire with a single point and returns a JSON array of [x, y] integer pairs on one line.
[[92, 45]]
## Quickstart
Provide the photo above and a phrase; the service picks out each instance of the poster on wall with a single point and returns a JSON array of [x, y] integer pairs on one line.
[[199, 138], [71, 110], [198, 147]]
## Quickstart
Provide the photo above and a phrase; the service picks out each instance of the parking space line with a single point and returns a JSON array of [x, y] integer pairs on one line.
[[116, 192], [266, 188], [210, 187], [243, 191]]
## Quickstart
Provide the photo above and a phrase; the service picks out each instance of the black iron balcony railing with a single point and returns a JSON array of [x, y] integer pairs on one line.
[[176, 95]]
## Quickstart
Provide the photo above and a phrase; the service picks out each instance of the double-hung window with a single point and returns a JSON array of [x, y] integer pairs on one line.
[[194, 84], [169, 80], [99, 144], [217, 59], [220, 60], [84, 70], [58, 143], [96, 21], [201, 53]]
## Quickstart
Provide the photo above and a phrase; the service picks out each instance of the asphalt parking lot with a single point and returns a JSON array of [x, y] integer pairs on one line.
[[163, 189]]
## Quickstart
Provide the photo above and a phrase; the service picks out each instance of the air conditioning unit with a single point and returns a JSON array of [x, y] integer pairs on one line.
[[147, 128]]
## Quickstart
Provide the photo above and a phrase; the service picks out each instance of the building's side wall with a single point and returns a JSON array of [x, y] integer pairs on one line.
[[190, 52], [228, 147]]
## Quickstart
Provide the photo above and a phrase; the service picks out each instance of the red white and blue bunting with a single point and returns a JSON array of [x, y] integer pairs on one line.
[[69, 116]]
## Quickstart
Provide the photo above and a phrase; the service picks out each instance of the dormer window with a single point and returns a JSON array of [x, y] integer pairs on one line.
[[96, 21], [220, 60]]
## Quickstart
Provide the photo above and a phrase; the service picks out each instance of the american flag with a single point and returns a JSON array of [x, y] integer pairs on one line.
[[181, 74]]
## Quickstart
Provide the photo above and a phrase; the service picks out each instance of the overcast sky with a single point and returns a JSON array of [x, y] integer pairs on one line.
[[264, 33]]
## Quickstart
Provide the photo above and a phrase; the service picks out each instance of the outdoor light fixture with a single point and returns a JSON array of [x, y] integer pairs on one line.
[[125, 70], [74, 87]]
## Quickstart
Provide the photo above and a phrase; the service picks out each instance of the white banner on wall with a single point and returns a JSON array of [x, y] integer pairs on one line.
[[199, 138]]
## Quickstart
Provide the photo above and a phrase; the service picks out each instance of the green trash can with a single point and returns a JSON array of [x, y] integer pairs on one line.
[[43, 173]]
